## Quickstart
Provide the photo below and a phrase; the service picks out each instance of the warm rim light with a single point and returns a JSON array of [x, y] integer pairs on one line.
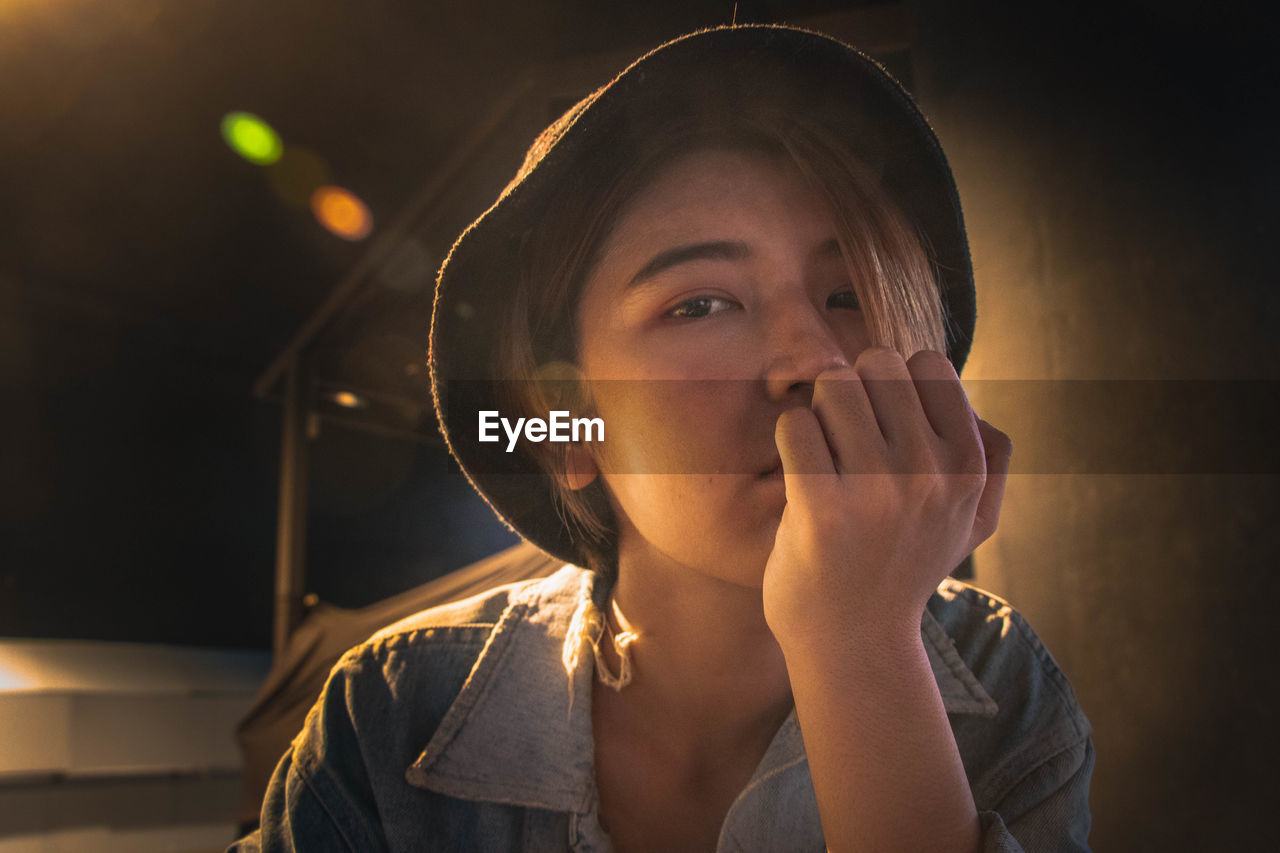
[[342, 213], [251, 138]]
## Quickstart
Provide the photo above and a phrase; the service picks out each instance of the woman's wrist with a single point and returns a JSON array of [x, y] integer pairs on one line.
[[885, 765], [865, 637]]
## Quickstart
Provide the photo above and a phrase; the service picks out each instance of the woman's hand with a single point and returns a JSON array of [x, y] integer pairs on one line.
[[891, 479]]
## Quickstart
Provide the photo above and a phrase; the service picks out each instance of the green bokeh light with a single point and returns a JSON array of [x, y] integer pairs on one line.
[[251, 138]]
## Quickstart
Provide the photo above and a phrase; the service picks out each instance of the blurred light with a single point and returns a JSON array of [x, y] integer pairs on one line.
[[464, 310], [409, 268], [342, 213], [296, 175], [251, 138], [347, 400], [557, 371], [561, 383]]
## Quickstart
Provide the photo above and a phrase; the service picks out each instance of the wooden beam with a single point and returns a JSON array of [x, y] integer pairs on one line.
[[291, 520]]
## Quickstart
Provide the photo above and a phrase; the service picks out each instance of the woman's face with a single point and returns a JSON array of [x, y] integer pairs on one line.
[[717, 299]]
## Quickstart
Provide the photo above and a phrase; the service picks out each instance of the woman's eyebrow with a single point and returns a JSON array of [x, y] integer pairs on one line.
[[718, 250]]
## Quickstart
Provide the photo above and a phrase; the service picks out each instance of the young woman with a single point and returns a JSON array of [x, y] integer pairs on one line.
[[744, 257]]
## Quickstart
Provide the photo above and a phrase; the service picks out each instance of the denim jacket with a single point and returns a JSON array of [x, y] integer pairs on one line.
[[461, 728]]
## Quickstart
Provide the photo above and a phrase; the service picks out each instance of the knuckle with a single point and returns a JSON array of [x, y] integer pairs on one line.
[[984, 527], [836, 373], [920, 454], [834, 382], [1004, 443], [921, 476], [970, 483], [879, 357], [930, 360], [924, 483], [994, 438], [972, 460]]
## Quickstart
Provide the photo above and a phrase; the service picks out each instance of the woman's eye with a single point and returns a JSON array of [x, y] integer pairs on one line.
[[844, 299], [698, 307]]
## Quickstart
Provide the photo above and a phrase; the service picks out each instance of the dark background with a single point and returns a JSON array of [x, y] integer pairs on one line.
[[148, 275], [1118, 166]]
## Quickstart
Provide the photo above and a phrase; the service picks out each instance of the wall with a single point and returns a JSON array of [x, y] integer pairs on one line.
[[1116, 176]]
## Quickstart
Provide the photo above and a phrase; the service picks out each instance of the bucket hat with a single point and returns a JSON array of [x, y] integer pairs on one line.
[[699, 78]]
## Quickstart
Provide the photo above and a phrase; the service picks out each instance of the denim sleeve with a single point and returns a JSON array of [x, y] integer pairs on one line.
[[1048, 810], [320, 797]]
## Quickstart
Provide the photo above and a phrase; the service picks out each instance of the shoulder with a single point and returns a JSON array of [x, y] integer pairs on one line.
[[1039, 723], [383, 702], [400, 682], [425, 658], [385, 697], [456, 617], [1006, 655], [424, 653]]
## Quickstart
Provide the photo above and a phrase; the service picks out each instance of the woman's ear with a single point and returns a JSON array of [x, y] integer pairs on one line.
[[580, 467]]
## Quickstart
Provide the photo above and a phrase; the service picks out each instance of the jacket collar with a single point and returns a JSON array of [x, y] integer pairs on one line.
[[520, 732]]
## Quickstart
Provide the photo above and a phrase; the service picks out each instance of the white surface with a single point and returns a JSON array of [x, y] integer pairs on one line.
[[85, 666], [75, 708]]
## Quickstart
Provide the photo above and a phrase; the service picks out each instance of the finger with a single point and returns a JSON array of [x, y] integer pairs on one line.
[[998, 450], [943, 399], [893, 397], [802, 448], [848, 423]]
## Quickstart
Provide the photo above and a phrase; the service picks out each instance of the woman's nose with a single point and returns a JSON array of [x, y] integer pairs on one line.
[[801, 345]]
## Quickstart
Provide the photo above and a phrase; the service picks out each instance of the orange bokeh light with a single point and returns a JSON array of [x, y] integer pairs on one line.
[[348, 400], [342, 213]]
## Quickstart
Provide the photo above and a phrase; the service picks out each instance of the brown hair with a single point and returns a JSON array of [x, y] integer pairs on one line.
[[888, 263]]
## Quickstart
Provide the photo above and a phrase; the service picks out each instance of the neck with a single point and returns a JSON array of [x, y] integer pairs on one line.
[[707, 673]]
